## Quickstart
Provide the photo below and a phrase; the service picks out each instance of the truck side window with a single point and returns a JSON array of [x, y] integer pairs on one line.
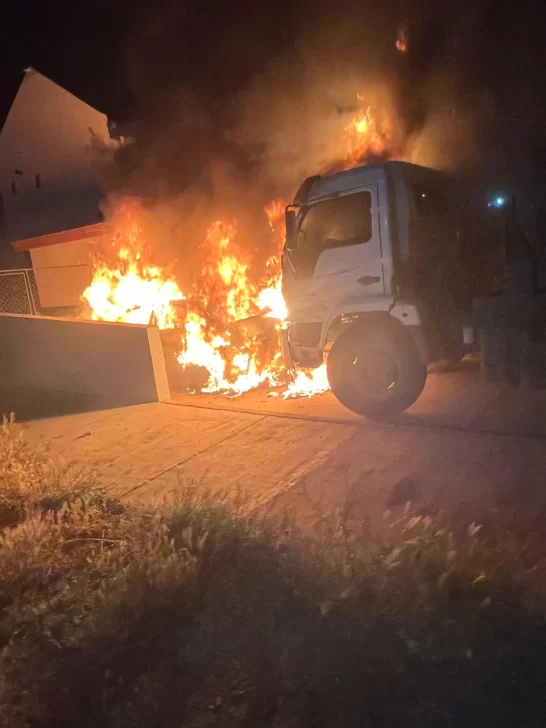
[[335, 223]]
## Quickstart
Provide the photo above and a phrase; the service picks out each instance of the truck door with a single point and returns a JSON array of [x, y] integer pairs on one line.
[[339, 250]]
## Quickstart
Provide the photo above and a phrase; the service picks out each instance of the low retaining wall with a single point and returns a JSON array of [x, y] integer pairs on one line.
[[104, 364]]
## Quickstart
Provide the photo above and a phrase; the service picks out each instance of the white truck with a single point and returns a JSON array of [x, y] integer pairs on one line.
[[380, 278]]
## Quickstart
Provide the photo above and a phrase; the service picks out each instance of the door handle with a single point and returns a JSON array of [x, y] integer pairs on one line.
[[368, 280]]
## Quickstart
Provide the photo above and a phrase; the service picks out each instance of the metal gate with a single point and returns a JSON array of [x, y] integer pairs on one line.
[[18, 292]]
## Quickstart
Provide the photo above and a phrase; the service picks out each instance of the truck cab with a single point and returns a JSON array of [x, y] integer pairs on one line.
[[374, 282]]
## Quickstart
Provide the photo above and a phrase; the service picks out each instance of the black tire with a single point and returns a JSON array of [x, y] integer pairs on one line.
[[363, 361]]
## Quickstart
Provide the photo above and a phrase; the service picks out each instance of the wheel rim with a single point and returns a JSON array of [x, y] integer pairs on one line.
[[375, 374]]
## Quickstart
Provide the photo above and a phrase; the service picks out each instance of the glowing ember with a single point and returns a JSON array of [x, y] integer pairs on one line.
[[402, 39]]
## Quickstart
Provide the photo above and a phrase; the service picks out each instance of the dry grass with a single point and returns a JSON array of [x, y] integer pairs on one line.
[[32, 481], [201, 614]]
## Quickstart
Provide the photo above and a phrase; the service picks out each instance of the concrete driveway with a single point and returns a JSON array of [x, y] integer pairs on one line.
[[466, 448]]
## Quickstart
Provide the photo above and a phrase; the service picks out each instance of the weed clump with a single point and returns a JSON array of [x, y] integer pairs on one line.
[[202, 612]]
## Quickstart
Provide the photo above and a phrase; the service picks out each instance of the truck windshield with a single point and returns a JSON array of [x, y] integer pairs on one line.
[[345, 220], [333, 223]]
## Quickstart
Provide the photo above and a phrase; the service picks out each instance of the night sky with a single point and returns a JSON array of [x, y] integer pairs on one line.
[[129, 58]]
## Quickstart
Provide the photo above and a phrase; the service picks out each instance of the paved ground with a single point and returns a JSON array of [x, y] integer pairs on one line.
[[453, 401], [467, 448]]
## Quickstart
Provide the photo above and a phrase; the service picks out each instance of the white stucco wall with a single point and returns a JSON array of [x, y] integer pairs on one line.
[[49, 133], [63, 272]]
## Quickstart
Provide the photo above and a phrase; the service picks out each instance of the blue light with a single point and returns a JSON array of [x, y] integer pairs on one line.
[[498, 202]]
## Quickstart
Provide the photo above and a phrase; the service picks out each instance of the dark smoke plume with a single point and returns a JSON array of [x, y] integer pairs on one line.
[[227, 124]]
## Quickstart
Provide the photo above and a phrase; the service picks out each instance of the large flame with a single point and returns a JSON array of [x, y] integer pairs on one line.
[[229, 322], [271, 298], [124, 286], [364, 139], [220, 336]]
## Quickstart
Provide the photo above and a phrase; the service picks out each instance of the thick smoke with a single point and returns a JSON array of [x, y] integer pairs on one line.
[[201, 153]]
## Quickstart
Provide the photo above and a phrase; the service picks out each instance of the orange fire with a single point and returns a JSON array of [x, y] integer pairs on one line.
[[220, 336], [305, 382], [402, 39], [308, 382], [229, 322], [363, 138], [124, 286], [271, 298], [222, 318]]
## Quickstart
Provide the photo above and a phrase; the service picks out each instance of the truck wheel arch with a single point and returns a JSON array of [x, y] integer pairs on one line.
[[405, 314], [342, 322]]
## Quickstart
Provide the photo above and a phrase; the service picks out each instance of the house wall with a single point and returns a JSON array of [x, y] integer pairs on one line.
[[111, 364], [48, 146], [63, 272]]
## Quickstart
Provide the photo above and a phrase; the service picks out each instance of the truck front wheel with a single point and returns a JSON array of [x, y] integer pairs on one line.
[[374, 369]]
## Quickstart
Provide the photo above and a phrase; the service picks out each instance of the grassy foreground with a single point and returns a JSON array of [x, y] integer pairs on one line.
[[199, 614]]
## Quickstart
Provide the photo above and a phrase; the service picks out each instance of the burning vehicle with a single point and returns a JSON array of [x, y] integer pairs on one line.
[[386, 268], [383, 271], [369, 281], [381, 277]]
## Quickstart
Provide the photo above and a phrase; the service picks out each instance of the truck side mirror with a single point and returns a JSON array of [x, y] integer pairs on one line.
[[290, 220]]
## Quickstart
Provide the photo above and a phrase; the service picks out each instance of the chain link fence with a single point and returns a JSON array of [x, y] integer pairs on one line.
[[19, 292]]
